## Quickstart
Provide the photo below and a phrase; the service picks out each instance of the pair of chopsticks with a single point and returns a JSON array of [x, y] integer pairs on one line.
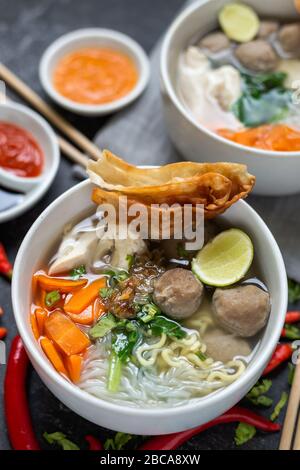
[[54, 117], [291, 427]]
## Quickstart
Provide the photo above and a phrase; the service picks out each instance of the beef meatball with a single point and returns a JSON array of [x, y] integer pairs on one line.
[[267, 28], [257, 55], [222, 346], [178, 293], [215, 42], [241, 310], [289, 37]]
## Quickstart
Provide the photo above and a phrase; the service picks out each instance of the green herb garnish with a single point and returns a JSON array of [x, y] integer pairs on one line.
[[171, 328], [103, 326], [118, 442], [243, 433], [264, 99], [105, 292], [78, 272], [280, 405], [201, 356], [291, 374], [256, 395], [52, 298], [130, 260], [181, 251], [294, 291], [116, 276], [147, 312], [291, 331], [60, 439]]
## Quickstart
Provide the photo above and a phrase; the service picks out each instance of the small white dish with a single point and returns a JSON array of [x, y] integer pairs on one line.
[[33, 188], [49, 227], [87, 38]]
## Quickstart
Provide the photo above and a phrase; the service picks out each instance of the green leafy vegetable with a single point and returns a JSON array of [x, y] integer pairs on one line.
[[264, 99], [103, 326], [114, 372], [256, 395], [294, 291], [280, 405], [130, 260], [201, 356], [116, 276], [148, 311], [118, 442], [105, 292], [171, 328], [52, 298], [291, 331], [291, 373], [78, 272], [60, 439], [243, 433]]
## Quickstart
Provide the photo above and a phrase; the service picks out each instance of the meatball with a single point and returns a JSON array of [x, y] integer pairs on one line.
[[215, 42], [257, 55], [223, 347], [267, 28], [178, 293], [241, 310], [289, 37]]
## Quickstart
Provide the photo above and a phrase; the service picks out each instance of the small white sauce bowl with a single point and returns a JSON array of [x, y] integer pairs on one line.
[[277, 173], [33, 188], [93, 37], [144, 419]]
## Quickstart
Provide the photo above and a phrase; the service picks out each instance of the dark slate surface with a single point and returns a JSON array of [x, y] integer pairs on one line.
[[26, 28]]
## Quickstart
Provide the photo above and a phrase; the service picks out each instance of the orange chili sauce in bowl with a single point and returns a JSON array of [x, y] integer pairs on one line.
[[95, 75]]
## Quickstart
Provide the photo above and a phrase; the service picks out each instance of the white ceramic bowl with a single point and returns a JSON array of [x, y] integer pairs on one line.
[[277, 172], [33, 188], [48, 228], [87, 38]]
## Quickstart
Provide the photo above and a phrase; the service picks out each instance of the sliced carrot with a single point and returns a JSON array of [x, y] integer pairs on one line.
[[34, 325], [53, 355], [83, 318], [81, 299], [41, 315], [57, 283], [65, 334], [73, 364], [98, 308]]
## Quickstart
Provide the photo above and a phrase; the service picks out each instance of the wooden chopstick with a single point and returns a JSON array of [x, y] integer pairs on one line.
[[296, 445], [53, 116], [291, 415]]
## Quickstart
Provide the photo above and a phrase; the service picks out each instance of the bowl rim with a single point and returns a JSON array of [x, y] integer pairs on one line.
[[251, 372], [167, 85], [130, 44], [43, 181]]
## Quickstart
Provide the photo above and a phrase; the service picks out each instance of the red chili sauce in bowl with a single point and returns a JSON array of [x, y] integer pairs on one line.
[[20, 154]]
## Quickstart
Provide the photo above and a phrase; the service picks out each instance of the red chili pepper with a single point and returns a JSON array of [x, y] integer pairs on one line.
[[281, 354], [237, 413], [1, 311], [5, 266], [94, 443], [18, 419], [292, 316], [3, 332]]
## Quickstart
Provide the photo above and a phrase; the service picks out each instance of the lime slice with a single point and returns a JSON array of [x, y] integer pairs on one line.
[[225, 260], [239, 22]]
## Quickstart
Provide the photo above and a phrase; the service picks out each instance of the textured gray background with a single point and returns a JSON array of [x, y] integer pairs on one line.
[[26, 29]]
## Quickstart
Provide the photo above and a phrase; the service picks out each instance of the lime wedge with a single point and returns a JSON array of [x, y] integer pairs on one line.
[[225, 260], [239, 22]]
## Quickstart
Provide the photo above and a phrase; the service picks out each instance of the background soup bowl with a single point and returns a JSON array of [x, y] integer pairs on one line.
[[277, 172], [34, 250]]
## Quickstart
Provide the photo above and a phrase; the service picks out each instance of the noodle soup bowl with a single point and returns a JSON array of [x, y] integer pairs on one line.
[[276, 172], [145, 419]]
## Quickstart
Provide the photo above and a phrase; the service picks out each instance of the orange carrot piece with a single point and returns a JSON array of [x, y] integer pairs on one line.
[[53, 355], [57, 283], [83, 318], [65, 334], [81, 299], [41, 316], [34, 326], [98, 308], [73, 364]]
